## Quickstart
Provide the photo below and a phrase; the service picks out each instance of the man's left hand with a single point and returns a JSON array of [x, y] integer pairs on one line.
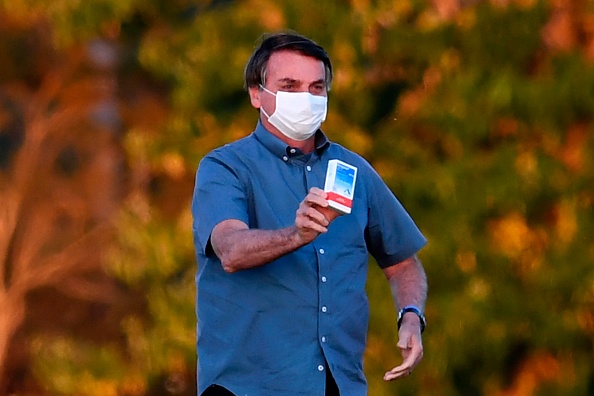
[[411, 347]]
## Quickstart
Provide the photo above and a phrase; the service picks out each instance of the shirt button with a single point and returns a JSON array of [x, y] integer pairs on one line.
[[292, 151], [323, 339], [322, 251], [285, 158], [320, 368], [324, 279], [308, 168], [324, 309]]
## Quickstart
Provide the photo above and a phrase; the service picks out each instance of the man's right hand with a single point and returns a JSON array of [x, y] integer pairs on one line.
[[314, 215]]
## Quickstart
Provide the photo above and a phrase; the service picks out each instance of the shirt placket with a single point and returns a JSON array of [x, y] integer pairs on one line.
[[324, 306]]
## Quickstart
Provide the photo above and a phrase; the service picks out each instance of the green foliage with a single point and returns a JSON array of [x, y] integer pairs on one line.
[[482, 130], [154, 261], [72, 21], [69, 368], [492, 142]]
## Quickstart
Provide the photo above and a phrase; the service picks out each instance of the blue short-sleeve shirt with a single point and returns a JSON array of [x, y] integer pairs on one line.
[[272, 329]]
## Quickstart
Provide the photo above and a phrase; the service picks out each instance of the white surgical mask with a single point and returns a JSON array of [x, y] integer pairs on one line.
[[298, 115]]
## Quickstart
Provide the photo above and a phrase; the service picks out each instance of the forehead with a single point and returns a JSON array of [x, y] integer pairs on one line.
[[293, 65]]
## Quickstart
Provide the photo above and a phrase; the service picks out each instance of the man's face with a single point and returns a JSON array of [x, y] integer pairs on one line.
[[292, 72]]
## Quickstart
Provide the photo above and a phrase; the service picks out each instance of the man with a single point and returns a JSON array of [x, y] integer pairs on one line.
[[282, 308]]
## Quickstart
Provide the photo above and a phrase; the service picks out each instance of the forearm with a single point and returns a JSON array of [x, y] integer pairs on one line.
[[243, 248], [239, 247], [408, 283]]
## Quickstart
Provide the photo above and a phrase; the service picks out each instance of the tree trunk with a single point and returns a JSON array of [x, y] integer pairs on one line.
[[12, 314]]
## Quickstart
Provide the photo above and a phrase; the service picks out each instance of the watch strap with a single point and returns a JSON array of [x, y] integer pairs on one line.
[[417, 311]]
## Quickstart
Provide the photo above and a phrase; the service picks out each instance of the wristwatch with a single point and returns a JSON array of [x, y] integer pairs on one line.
[[412, 308]]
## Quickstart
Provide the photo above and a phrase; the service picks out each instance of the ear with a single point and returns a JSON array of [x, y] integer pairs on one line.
[[255, 97]]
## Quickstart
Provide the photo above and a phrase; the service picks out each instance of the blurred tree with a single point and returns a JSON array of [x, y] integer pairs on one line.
[[494, 144], [153, 349], [478, 114], [58, 145]]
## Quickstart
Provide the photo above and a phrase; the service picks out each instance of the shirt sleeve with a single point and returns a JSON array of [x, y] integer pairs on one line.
[[392, 236], [219, 195]]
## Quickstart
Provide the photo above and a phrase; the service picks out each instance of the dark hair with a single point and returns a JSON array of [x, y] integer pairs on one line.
[[255, 69]]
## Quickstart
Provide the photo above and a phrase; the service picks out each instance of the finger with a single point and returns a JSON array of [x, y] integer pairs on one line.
[[305, 224], [316, 196], [407, 364], [329, 213], [404, 369], [309, 218], [318, 191], [307, 206], [398, 372], [412, 352], [408, 342], [315, 200], [313, 213], [404, 344]]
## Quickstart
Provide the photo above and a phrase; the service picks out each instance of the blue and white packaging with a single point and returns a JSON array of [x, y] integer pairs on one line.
[[340, 185]]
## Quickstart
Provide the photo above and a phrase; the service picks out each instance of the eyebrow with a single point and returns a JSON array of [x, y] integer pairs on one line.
[[292, 80]]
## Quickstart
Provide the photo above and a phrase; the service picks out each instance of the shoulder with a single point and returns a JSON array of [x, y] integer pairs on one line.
[[232, 154], [233, 148]]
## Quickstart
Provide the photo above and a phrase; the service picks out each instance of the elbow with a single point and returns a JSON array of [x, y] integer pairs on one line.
[[230, 269], [224, 245], [230, 265], [229, 262]]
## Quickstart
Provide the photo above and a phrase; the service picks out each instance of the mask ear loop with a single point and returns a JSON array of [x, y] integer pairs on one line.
[[265, 113], [267, 90], [262, 107]]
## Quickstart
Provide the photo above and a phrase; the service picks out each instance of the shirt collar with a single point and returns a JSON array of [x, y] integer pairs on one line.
[[282, 149]]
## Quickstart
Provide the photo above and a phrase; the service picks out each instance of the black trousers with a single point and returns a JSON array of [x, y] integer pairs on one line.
[[217, 390]]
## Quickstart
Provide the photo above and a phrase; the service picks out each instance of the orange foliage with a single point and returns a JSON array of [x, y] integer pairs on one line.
[[535, 369], [570, 26], [572, 152], [512, 236]]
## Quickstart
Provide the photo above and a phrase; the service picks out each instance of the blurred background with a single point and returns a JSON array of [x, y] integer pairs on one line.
[[478, 114]]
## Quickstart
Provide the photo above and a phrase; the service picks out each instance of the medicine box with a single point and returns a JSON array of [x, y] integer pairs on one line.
[[340, 185]]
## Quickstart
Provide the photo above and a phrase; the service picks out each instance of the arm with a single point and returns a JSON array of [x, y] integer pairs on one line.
[[408, 284], [239, 247]]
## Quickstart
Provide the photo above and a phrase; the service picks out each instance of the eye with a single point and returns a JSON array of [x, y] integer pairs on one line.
[[287, 87], [318, 89]]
